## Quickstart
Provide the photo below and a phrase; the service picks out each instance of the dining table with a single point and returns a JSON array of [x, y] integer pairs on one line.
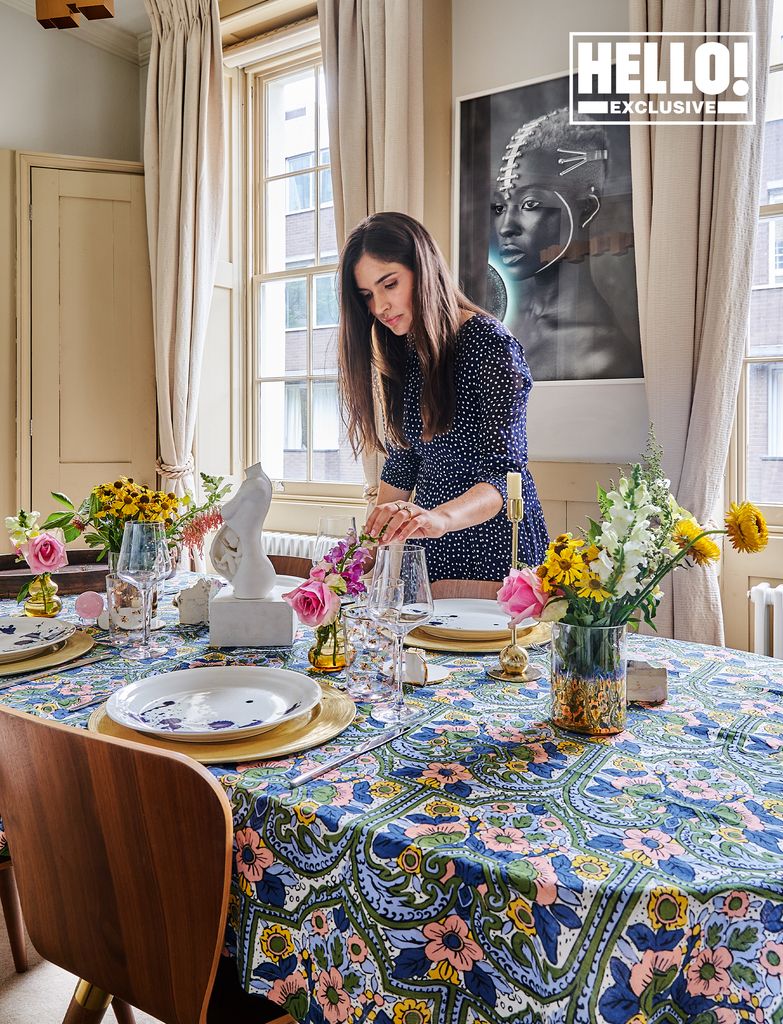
[[488, 867]]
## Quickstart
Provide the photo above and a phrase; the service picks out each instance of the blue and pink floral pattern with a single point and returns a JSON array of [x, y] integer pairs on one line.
[[487, 867]]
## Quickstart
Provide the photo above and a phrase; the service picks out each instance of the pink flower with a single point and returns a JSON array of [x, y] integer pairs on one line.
[[725, 1015], [504, 839], [335, 1001], [656, 844], [45, 553], [521, 596], [707, 974], [356, 948], [545, 880], [653, 962], [736, 904], [450, 940], [749, 819], [252, 858], [446, 828], [444, 774], [319, 922], [771, 957], [696, 789], [314, 603], [284, 988]]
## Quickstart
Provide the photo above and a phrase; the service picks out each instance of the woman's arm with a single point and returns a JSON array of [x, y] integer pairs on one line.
[[408, 521]]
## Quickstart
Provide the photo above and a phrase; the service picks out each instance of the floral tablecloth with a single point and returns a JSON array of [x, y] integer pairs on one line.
[[487, 867]]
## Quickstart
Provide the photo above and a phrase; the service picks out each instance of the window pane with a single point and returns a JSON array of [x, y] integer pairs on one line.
[[290, 236], [766, 303], [333, 460], [282, 328], [326, 312], [776, 32], [764, 455], [282, 420], [323, 123], [290, 119], [299, 193], [328, 233]]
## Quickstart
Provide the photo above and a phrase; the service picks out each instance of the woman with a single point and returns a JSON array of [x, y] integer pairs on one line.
[[453, 392]]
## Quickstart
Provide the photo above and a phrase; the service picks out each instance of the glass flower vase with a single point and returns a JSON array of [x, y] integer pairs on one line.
[[589, 666], [42, 600], [328, 652]]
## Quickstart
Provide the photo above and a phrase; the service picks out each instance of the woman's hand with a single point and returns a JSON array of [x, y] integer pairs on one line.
[[403, 520]]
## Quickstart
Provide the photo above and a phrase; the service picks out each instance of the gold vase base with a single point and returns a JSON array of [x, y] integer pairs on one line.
[[515, 667], [530, 674], [586, 730]]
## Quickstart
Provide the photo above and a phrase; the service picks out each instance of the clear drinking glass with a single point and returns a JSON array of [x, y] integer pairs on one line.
[[400, 599], [144, 561], [332, 529], [368, 650]]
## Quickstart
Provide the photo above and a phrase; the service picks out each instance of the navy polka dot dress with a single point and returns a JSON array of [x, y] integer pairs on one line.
[[486, 441]]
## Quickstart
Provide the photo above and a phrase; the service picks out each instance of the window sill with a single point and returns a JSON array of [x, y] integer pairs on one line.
[[771, 458]]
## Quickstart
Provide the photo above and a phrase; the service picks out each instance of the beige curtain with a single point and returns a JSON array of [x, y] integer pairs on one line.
[[185, 180], [695, 198], [373, 61]]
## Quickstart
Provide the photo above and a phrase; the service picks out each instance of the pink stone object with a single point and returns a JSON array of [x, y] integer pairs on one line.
[[89, 604]]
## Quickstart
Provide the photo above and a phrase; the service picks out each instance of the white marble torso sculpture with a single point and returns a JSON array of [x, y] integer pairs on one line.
[[237, 552]]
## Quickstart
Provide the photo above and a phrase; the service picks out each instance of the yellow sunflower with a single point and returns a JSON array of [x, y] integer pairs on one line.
[[667, 908], [746, 527], [565, 568], [703, 550], [591, 586]]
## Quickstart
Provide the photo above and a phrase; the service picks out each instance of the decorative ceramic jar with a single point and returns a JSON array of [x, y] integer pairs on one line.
[[588, 678]]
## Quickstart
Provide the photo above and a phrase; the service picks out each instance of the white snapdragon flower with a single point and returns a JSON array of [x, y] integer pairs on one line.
[[603, 566]]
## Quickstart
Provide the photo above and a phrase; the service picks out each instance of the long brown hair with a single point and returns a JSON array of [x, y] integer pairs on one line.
[[365, 343]]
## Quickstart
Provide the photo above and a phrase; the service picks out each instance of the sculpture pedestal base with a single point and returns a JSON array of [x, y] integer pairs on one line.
[[250, 622]]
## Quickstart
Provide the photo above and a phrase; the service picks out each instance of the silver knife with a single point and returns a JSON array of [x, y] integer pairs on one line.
[[53, 670], [350, 755]]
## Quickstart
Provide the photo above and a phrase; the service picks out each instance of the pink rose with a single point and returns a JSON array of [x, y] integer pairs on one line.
[[45, 553], [521, 596], [314, 603]]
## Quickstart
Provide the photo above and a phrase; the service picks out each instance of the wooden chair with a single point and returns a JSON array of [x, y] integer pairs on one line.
[[487, 589], [291, 565], [12, 912], [122, 856]]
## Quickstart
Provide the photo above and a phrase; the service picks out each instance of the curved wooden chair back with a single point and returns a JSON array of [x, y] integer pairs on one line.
[[122, 856], [487, 589], [291, 565]]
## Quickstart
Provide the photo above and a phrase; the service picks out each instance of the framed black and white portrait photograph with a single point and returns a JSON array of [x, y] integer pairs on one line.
[[545, 230]]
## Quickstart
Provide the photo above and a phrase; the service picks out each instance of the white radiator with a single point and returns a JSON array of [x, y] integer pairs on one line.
[[299, 544], [767, 602]]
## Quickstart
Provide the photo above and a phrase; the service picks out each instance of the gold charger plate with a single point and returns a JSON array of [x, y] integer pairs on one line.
[[538, 634], [334, 714], [74, 647], [502, 636]]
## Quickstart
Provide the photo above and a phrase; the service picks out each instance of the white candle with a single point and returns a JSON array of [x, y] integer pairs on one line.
[[514, 484]]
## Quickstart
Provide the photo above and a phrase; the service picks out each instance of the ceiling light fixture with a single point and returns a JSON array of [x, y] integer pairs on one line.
[[66, 13]]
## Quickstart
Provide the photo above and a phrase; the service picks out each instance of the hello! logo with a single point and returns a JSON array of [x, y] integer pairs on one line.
[[663, 77]]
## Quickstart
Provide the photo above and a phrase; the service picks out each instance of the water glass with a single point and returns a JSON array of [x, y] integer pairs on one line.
[[331, 530], [400, 599], [144, 561], [368, 650]]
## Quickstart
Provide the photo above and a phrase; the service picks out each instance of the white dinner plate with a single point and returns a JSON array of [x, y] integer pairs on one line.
[[22, 637], [289, 582], [469, 618], [215, 703]]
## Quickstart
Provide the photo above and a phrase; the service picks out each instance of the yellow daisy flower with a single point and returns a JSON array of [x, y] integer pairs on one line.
[[566, 568], [276, 942], [591, 586], [592, 869], [703, 550], [667, 908], [521, 913], [412, 1011], [746, 527]]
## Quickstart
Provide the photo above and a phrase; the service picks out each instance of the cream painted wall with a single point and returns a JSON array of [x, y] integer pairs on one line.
[[61, 95], [498, 43]]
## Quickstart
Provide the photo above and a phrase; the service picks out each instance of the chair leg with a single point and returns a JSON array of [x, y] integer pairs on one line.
[[122, 1011], [9, 897], [88, 1004]]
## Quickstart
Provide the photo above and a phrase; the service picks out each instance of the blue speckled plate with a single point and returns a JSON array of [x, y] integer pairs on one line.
[[22, 637], [217, 703]]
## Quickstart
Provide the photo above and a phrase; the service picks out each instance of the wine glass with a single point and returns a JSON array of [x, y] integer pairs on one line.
[[144, 561], [400, 599], [331, 530]]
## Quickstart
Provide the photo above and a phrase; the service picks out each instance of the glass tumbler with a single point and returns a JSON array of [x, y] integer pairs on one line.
[[368, 650]]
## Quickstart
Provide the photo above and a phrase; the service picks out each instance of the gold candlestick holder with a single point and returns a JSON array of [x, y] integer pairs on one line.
[[514, 665]]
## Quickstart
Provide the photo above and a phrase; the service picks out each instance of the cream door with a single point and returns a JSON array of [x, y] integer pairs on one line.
[[92, 387]]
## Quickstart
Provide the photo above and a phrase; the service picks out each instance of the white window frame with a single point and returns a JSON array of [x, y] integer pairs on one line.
[[775, 406], [274, 59]]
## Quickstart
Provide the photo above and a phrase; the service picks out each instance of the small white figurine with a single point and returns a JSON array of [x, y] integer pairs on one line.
[[193, 602], [237, 552]]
